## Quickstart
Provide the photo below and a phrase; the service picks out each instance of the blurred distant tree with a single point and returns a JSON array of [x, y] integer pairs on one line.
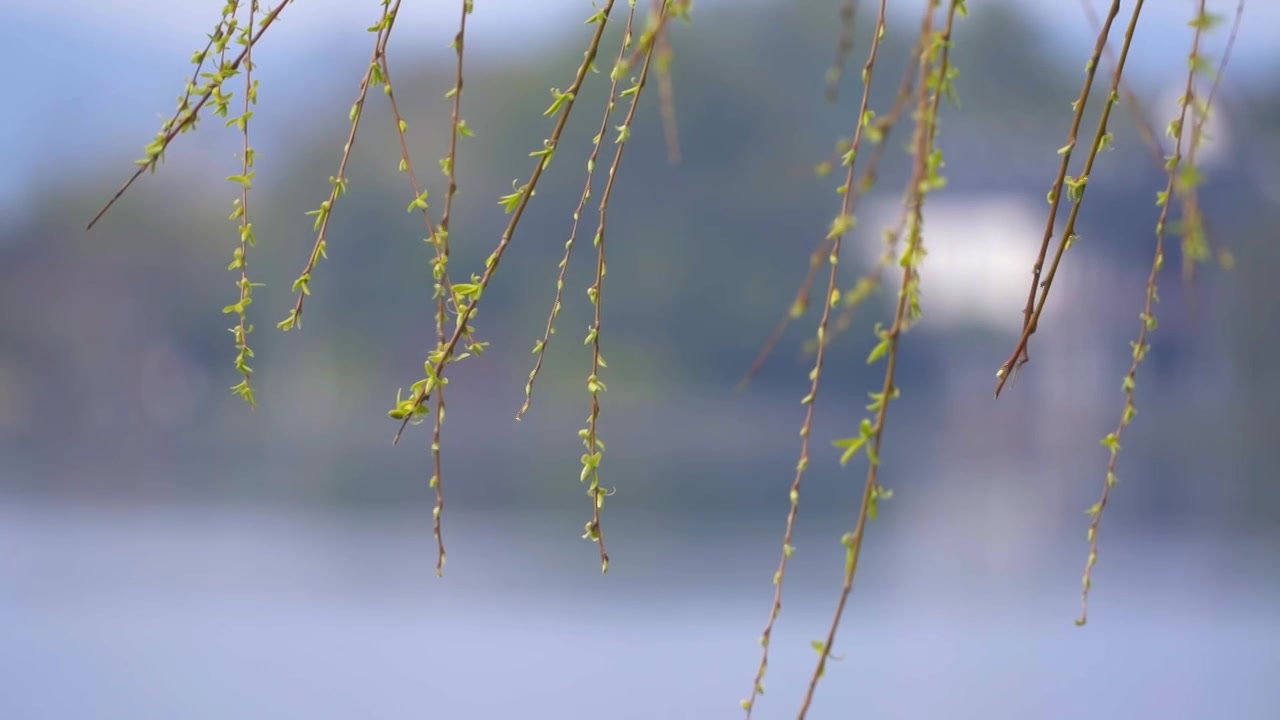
[[223, 84]]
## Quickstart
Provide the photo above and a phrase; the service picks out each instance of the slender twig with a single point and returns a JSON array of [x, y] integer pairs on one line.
[[867, 284], [667, 98], [839, 228], [1141, 346], [666, 87], [591, 467], [925, 163], [1189, 201], [405, 413], [438, 236], [442, 256], [1193, 221], [180, 121], [1076, 188], [240, 259], [419, 203], [666, 93], [870, 281], [540, 347], [881, 129], [844, 48], [302, 285]]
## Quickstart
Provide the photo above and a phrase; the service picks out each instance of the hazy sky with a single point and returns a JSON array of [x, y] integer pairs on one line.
[[174, 23], [89, 75]]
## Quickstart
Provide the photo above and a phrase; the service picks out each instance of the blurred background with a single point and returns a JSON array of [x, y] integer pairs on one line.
[[167, 553]]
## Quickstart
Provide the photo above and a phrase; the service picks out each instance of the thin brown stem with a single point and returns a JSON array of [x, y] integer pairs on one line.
[[883, 127], [407, 166], [1033, 309], [841, 226], [1192, 219], [667, 99], [1194, 223], [242, 329], [445, 352], [180, 121], [596, 292], [928, 105], [1140, 346], [844, 48], [541, 345], [442, 254], [1020, 355], [339, 182], [666, 86]]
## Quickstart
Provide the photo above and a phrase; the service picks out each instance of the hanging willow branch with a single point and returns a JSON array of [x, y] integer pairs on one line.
[[926, 79]]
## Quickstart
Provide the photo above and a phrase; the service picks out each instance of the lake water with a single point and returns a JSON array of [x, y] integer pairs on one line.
[[177, 613]]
